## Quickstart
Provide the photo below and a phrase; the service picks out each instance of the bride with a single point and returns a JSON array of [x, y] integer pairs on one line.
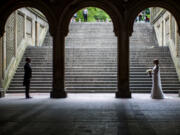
[[156, 92]]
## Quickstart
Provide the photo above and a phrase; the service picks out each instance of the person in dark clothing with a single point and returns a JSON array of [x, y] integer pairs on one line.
[[85, 14], [27, 76]]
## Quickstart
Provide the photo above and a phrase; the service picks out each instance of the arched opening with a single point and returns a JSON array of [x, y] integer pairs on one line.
[[155, 36], [91, 53], [26, 35]]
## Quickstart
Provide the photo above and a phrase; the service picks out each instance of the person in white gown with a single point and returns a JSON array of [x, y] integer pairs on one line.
[[156, 92]]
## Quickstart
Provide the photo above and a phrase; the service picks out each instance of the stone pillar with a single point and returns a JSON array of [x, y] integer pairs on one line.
[[58, 66], [170, 26], [177, 40], [36, 33], [24, 34], [33, 32], [164, 32], [123, 65], [2, 94], [15, 34], [162, 36]]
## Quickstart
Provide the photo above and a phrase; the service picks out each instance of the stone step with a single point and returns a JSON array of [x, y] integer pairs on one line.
[[104, 59], [82, 36], [79, 90], [138, 62], [98, 81], [97, 64], [138, 80], [114, 82], [115, 79], [32, 85], [148, 89], [88, 70], [15, 79], [100, 56], [90, 52], [95, 69], [132, 75], [92, 84], [91, 31], [39, 82], [94, 73], [115, 73], [133, 64], [32, 89], [103, 50], [94, 66]]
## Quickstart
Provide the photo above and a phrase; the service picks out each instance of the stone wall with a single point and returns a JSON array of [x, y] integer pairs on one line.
[[24, 27], [1, 63], [167, 34]]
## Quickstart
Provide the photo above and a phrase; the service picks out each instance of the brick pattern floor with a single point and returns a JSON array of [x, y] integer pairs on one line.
[[89, 114]]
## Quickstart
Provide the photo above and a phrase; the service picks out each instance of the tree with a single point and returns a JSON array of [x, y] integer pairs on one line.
[[94, 14]]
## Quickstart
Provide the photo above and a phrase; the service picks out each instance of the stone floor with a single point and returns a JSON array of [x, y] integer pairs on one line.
[[89, 114]]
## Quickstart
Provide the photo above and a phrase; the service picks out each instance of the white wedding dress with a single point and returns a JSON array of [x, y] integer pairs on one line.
[[156, 92]]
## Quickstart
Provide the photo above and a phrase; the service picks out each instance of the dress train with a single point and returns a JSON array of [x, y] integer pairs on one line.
[[156, 92]]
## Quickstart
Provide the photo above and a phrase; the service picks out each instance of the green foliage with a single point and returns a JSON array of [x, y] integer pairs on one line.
[[94, 14], [147, 11]]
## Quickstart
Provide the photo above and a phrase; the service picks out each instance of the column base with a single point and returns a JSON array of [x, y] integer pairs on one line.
[[58, 94], [125, 94], [2, 94]]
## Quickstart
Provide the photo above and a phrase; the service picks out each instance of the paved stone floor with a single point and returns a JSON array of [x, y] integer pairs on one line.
[[89, 114]]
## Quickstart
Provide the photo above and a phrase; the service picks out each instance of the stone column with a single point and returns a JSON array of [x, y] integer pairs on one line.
[[24, 34], [177, 38], [33, 31], [123, 65], [36, 33], [164, 32], [170, 26], [2, 94], [162, 36], [58, 66], [15, 34]]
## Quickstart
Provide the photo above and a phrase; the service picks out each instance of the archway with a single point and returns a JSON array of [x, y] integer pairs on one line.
[[156, 39], [26, 31], [91, 53], [59, 42]]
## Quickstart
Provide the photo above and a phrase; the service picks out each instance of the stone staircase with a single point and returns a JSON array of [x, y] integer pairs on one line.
[[91, 61], [143, 49]]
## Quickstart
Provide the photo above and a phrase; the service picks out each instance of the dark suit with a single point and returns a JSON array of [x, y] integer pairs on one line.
[[27, 78]]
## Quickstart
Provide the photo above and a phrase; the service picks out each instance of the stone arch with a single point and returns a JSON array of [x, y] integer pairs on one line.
[[73, 7], [42, 7], [62, 31], [168, 5]]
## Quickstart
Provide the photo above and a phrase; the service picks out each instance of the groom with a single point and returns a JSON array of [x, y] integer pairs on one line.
[[27, 76]]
